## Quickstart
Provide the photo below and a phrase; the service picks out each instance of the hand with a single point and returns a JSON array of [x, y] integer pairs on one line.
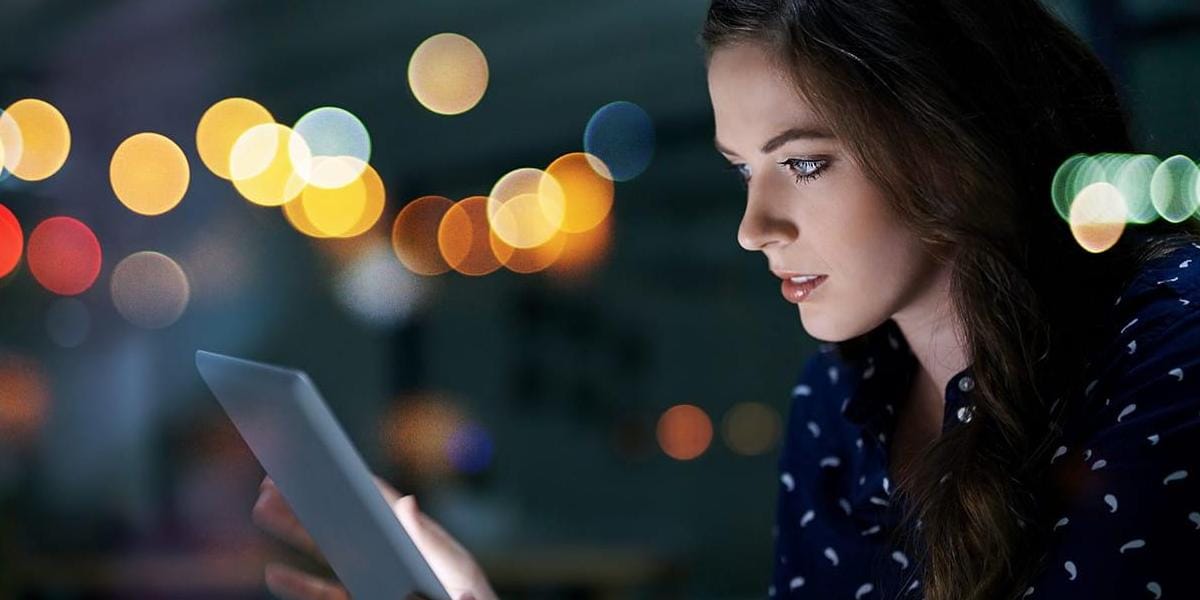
[[450, 562]]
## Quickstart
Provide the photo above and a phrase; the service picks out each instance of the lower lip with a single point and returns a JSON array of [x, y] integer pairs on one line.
[[800, 292]]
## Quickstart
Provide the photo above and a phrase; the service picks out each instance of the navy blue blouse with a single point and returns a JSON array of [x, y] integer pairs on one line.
[[1130, 523]]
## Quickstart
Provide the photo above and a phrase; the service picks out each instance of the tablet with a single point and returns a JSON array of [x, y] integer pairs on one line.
[[280, 414]]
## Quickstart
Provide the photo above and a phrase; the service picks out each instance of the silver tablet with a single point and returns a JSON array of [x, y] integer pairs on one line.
[[281, 416]]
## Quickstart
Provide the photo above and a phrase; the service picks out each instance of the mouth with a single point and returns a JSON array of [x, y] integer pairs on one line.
[[798, 288], [796, 277]]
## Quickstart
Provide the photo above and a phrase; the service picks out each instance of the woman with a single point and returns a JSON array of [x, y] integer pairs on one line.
[[995, 412]]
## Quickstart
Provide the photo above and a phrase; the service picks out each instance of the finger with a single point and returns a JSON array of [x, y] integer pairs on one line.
[[389, 493], [293, 584], [272, 513], [426, 532]]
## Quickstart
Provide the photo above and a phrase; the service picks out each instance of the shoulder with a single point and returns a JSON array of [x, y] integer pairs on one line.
[[1152, 336]]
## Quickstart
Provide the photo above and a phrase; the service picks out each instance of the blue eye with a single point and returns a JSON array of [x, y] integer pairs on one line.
[[805, 169]]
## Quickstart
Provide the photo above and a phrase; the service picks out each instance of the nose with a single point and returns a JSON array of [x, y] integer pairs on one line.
[[766, 220]]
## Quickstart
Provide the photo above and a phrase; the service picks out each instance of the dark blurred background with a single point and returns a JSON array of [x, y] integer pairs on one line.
[[120, 477]]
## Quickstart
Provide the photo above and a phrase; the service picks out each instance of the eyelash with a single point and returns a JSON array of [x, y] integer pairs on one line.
[[811, 169]]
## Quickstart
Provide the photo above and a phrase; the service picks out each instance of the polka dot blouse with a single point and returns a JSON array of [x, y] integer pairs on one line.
[[1130, 520]]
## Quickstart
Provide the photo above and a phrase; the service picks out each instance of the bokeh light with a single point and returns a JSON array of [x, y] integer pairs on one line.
[[333, 211], [526, 208], [150, 289], [12, 240], [751, 428], [332, 133], [12, 143], [262, 166], [149, 174], [621, 134], [684, 432], [1133, 178], [45, 139], [221, 126], [587, 187], [465, 238], [1098, 217], [362, 201], [68, 322], [1173, 188], [415, 235], [24, 398], [376, 289], [417, 432], [470, 448], [448, 74], [64, 256], [583, 252], [1076, 173], [529, 260]]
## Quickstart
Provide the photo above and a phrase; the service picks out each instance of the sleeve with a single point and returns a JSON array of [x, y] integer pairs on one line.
[[1130, 480], [785, 579]]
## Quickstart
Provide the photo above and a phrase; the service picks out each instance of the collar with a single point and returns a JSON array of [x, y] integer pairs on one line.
[[884, 375]]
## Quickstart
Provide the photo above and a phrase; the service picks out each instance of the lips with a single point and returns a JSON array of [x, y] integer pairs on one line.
[[799, 288]]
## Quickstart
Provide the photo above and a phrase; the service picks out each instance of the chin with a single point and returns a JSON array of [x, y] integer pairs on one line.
[[824, 330]]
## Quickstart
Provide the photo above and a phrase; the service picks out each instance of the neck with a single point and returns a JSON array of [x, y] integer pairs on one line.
[[934, 334]]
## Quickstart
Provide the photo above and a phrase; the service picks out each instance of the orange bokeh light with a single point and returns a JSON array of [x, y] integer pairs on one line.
[[64, 256], [24, 396], [463, 237], [529, 260], [684, 432], [415, 235], [583, 252], [589, 194]]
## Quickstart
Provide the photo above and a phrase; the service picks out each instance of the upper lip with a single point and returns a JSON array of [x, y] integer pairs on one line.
[[791, 274]]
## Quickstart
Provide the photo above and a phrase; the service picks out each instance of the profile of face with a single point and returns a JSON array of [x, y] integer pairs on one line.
[[810, 208]]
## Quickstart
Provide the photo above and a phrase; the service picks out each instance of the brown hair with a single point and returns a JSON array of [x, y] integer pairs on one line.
[[961, 111]]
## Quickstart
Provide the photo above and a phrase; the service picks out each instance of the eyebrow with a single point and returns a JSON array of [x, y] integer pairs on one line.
[[795, 133]]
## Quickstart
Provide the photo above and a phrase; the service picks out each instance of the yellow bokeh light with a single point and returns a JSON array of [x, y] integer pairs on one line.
[[221, 126], [415, 235], [333, 211], [261, 166], [684, 432], [10, 139], [149, 174], [376, 201], [1098, 217], [526, 208], [448, 74], [294, 213], [330, 210], [588, 193], [45, 139]]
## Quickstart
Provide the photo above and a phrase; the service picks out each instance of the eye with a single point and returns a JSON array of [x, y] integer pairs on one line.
[[805, 169]]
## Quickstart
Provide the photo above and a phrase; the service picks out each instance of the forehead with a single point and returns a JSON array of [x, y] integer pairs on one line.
[[752, 93]]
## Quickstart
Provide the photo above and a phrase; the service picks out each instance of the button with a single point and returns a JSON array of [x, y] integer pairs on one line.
[[965, 413], [966, 384]]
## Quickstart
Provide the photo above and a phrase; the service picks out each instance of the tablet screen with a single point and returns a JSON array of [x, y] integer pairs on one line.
[[295, 437]]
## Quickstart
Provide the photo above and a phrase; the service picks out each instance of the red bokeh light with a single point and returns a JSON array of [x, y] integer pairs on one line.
[[11, 241], [64, 256]]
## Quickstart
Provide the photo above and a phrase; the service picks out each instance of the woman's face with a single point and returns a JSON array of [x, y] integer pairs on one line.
[[810, 209]]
